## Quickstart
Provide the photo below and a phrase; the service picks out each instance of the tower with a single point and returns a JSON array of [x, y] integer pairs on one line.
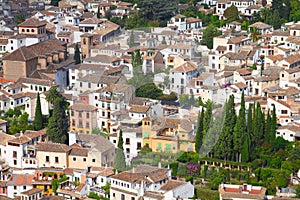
[[86, 44]]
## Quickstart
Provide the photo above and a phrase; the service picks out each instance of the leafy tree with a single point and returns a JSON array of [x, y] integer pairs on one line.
[[231, 13], [208, 34], [120, 163], [149, 90], [58, 125], [169, 97], [145, 149], [135, 20], [240, 131], [97, 131], [38, 119], [19, 124], [199, 131], [298, 191], [54, 2], [157, 10], [77, 55], [19, 18]]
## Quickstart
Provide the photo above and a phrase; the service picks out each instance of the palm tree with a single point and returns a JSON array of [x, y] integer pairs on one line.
[[255, 35], [53, 94]]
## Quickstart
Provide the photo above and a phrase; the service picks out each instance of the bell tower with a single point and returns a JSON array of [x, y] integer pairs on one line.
[[86, 44]]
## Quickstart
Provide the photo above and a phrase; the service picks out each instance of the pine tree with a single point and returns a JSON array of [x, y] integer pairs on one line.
[[58, 125], [120, 163], [38, 119], [240, 130], [199, 131], [77, 55]]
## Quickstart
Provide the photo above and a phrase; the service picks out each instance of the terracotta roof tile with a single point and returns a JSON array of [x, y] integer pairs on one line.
[[34, 22], [53, 147]]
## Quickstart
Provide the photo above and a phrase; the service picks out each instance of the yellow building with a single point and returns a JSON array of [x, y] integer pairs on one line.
[[43, 180], [168, 134]]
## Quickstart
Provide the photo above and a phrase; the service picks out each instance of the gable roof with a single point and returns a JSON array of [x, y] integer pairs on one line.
[[32, 22], [53, 147], [186, 67], [26, 53]]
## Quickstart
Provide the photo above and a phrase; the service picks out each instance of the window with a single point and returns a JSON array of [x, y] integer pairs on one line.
[[122, 197], [74, 158], [73, 77], [282, 75], [89, 85], [14, 154], [15, 187], [24, 187], [80, 84], [84, 159], [114, 195], [47, 159], [72, 113], [139, 145], [15, 162], [87, 115], [127, 141], [80, 114], [284, 111], [127, 150], [56, 159], [94, 160], [182, 81]]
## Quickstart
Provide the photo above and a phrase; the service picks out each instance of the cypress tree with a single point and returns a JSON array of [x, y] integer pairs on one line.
[[131, 39], [58, 125], [273, 126], [77, 55], [98, 13], [258, 127], [120, 163], [225, 142], [38, 118], [245, 149], [207, 117], [199, 131], [240, 130], [268, 128]]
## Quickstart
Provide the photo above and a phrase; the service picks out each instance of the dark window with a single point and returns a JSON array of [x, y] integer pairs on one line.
[[47, 159], [56, 160]]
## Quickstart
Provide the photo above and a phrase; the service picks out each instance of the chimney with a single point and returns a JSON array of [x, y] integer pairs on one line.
[[159, 165], [21, 133]]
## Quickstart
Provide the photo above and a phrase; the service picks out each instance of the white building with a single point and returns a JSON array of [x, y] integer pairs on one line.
[[180, 77]]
